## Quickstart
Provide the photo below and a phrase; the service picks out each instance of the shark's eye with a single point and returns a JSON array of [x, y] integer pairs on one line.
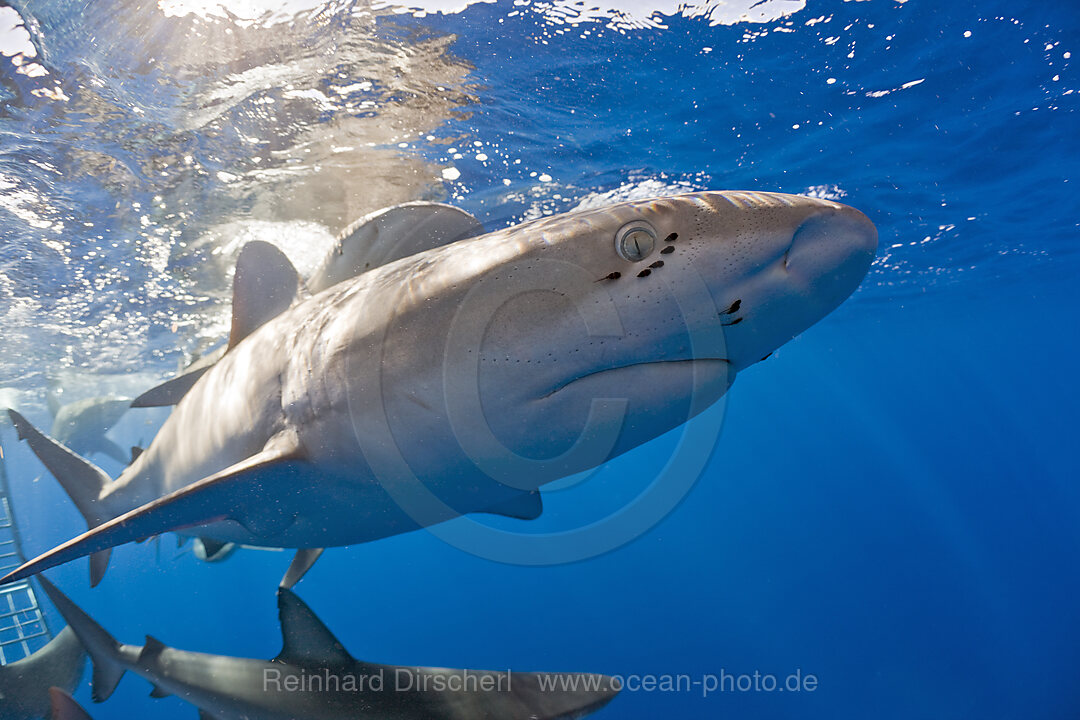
[[635, 241]]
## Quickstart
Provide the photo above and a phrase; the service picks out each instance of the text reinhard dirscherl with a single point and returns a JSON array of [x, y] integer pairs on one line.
[[405, 679], [401, 680]]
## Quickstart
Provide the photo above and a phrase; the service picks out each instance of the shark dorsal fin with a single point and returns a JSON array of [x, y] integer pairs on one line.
[[264, 286], [136, 451], [151, 650], [306, 641]]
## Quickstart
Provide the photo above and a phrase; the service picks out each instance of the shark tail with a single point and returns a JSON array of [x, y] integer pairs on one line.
[[104, 650], [83, 481]]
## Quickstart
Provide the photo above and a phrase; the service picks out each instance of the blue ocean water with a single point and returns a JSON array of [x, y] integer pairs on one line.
[[891, 506]]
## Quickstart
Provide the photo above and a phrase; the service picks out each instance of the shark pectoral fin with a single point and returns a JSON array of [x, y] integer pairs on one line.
[[265, 285], [171, 391], [306, 641], [526, 506], [301, 563], [63, 707], [103, 649], [236, 493]]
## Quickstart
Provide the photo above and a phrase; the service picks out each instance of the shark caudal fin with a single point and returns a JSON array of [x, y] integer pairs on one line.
[[83, 481], [104, 650], [64, 707]]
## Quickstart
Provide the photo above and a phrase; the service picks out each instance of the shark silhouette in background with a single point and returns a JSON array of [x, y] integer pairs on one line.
[[315, 678], [82, 425]]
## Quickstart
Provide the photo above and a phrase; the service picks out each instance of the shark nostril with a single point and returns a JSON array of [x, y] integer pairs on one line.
[[830, 239]]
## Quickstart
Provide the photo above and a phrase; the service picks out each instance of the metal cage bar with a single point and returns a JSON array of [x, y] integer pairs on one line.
[[23, 628]]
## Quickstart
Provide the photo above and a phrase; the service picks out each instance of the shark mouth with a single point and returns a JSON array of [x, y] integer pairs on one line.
[[698, 365]]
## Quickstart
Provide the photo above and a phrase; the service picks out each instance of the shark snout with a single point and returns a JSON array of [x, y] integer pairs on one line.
[[832, 250]]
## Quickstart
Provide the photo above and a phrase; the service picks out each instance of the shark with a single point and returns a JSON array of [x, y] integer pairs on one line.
[[462, 378], [24, 684], [315, 678], [81, 425]]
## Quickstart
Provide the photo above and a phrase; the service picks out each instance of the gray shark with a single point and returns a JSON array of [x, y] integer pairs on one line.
[[464, 377], [24, 684], [64, 706], [315, 678], [81, 425]]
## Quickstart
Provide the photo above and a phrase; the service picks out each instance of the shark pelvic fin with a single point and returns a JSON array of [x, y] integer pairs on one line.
[[104, 650], [306, 641], [83, 481], [265, 285], [526, 506], [211, 550], [236, 489], [64, 707], [301, 563]]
